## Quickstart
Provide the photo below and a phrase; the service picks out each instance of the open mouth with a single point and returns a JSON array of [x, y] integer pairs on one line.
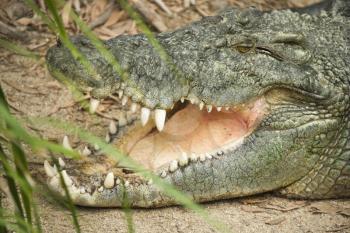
[[191, 132]]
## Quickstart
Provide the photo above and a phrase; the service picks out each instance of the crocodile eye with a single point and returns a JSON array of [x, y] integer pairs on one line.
[[243, 49], [245, 46]]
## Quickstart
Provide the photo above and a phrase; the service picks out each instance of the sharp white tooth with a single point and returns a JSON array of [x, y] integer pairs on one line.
[[124, 100], [82, 190], [50, 171], [120, 94], [150, 181], [109, 181], [112, 127], [220, 152], [127, 183], [55, 168], [173, 166], [117, 181], [133, 107], [61, 162], [94, 105], [66, 143], [160, 115], [145, 112], [96, 147], [201, 105], [107, 138], [202, 157], [227, 108], [163, 174], [86, 151], [67, 180], [208, 156], [182, 99], [100, 189], [193, 157], [209, 108], [183, 160], [219, 109]]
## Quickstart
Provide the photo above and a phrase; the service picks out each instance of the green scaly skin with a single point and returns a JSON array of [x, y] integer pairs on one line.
[[298, 63]]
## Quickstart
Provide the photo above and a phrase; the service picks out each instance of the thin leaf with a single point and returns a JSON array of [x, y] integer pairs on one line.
[[11, 183], [22, 170], [18, 49], [71, 206]]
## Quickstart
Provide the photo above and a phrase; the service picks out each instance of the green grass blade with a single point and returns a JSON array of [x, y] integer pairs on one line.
[[128, 213], [22, 170], [42, 14], [57, 19], [69, 202], [18, 49], [3, 228], [11, 183]]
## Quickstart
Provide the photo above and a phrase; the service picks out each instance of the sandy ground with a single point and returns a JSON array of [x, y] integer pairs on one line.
[[32, 92]]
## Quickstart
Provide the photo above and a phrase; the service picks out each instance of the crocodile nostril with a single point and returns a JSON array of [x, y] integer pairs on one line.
[[58, 42]]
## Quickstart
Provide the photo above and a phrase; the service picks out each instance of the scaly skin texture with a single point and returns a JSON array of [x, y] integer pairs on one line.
[[298, 63]]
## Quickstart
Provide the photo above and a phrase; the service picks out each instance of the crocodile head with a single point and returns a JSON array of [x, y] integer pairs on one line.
[[245, 102]]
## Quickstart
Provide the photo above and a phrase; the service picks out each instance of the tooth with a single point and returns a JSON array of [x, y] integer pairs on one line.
[[145, 112], [96, 147], [173, 166], [220, 152], [126, 184], [124, 100], [55, 168], [112, 127], [50, 171], [93, 105], [209, 108], [160, 115], [107, 138], [117, 181], [150, 181], [61, 162], [67, 180], [227, 108], [82, 190], [100, 189], [163, 174], [109, 181], [66, 143], [208, 156], [201, 105], [86, 151], [120, 94], [202, 157], [183, 160], [219, 109], [193, 157], [133, 107], [182, 99]]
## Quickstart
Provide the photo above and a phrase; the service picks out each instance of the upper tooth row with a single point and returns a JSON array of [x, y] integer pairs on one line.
[[160, 114]]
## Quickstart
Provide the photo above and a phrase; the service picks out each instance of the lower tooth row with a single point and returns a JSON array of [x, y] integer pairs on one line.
[[110, 181]]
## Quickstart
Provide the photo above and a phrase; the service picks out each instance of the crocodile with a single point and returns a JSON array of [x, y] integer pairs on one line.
[[237, 104]]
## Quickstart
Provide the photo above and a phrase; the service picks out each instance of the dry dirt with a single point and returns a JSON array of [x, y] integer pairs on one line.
[[32, 92]]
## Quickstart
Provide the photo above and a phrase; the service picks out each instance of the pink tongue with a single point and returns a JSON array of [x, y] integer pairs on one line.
[[190, 131]]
